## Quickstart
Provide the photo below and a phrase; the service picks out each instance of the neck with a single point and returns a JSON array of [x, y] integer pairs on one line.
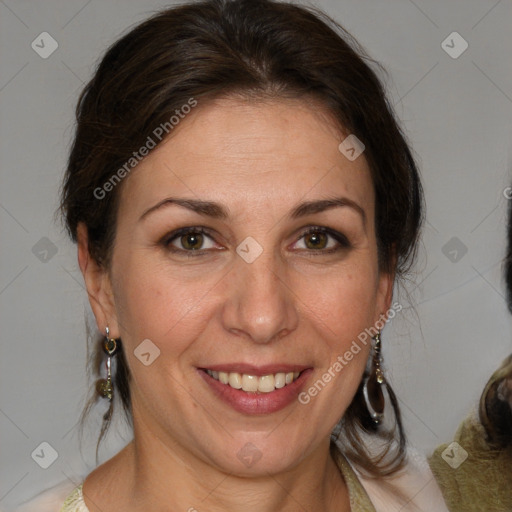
[[192, 485], [163, 474]]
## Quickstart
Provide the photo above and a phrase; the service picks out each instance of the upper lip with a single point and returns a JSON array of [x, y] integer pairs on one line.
[[250, 369]]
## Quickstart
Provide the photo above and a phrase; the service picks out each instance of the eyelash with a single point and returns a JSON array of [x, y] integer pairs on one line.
[[339, 237]]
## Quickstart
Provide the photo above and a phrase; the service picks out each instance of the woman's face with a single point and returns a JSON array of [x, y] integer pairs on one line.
[[245, 251]]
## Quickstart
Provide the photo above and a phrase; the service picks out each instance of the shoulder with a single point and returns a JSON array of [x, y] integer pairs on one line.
[[471, 474], [412, 489], [50, 500]]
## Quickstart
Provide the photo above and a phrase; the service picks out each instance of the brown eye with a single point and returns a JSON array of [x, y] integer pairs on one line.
[[322, 240], [192, 241], [316, 240], [188, 240]]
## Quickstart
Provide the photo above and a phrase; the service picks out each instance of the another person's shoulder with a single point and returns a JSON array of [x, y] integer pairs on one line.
[[474, 470], [51, 500], [471, 473]]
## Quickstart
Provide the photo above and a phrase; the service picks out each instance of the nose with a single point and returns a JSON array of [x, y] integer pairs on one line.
[[260, 303]]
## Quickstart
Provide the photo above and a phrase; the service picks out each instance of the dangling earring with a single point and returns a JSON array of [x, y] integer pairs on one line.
[[104, 387], [372, 389]]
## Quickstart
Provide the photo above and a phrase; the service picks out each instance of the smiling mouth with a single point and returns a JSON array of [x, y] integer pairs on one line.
[[253, 383]]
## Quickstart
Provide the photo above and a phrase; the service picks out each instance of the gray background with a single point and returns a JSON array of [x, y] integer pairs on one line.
[[457, 114]]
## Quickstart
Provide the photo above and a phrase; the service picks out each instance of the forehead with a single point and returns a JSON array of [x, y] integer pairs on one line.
[[244, 153]]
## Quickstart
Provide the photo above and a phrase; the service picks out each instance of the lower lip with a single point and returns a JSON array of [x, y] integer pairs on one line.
[[257, 403]]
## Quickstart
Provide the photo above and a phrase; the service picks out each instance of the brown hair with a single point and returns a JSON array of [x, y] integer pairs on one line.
[[252, 48]]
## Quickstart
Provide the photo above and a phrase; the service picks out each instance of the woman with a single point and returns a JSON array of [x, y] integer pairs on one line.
[[243, 201]]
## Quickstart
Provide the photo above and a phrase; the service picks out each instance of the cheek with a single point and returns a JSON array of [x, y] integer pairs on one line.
[[153, 303], [344, 302], [339, 308]]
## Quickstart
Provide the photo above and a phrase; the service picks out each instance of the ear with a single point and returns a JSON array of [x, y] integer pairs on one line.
[[386, 281], [384, 295], [98, 286]]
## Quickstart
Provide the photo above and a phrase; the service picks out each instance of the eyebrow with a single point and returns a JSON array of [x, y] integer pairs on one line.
[[208, 208], [322, 205], [217, 211]]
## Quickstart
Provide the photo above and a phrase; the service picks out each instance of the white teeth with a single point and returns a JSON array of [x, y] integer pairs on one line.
[[235, 380], [253, 383], [280, 380], [266, 384], [249, 383]]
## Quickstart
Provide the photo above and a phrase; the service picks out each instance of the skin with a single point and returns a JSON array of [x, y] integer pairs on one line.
[[294, 304]]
